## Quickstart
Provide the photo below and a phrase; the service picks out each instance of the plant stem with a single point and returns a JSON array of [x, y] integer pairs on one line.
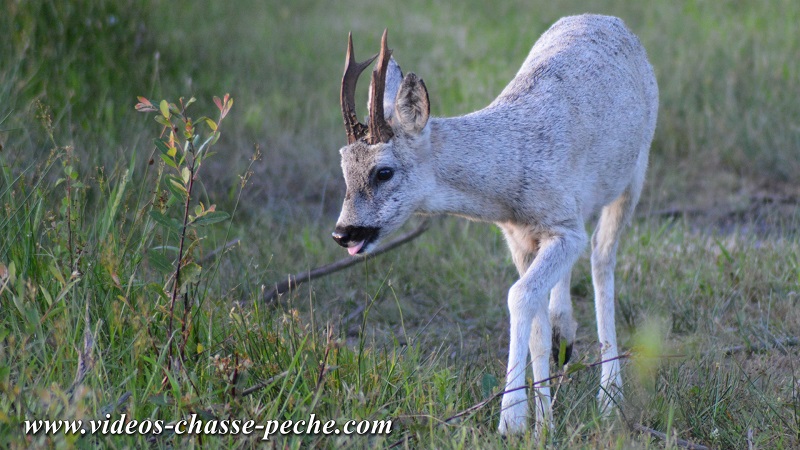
[[180, 260], [69, 214]]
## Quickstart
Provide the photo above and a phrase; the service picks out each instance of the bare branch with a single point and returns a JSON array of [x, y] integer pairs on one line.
[[263, 384], [218, 250], [85, 357], [295, 280], [659, 435], [776, 343]]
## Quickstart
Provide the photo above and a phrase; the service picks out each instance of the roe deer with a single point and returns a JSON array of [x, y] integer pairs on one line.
[[567, 138]]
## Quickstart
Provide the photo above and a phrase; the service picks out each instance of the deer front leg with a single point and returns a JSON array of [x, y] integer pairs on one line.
[[523, 308], [530, 326]]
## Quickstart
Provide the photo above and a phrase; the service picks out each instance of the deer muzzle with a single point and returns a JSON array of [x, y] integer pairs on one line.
[[354, 238]]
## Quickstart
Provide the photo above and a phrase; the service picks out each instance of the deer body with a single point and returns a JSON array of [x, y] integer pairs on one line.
[[566, 139]]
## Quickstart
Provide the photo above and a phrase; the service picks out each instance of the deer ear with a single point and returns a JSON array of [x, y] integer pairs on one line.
[[411, 106], [394, 76]]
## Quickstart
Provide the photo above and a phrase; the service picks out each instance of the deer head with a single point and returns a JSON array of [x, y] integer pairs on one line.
[[382, 160]]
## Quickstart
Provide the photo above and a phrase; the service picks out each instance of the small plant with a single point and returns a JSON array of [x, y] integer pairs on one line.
[[183, 148]]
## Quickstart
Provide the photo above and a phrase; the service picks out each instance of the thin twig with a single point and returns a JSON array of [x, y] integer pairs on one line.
[[323, 368], [355, 313], [776, 343], [111, 407], [177, 273], [401, 441], [295, 280], [70, 247], [85, 356], [216, 251], [659, 435], [263, 384], [496, 395], [673, 213], [561, 374]]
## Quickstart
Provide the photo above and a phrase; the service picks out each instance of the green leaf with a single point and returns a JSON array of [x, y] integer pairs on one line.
[[170, 161], [160, 400], [575, 367], [47, 296], [163, 121], [562, 352], [189, 274], [159, 262], [175, 179], [161, 145], [164, 107], [212, 217], [177, 189], [157, 288], [186, 174], [57, 274], [211, 124], [215, 138], [488, 384], [165, 221]]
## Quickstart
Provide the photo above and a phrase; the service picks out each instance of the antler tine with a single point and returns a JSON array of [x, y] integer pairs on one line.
[[379, 130], [352, 69]]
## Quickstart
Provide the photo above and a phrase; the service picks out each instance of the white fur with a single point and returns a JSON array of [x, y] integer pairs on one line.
[[566, 139]]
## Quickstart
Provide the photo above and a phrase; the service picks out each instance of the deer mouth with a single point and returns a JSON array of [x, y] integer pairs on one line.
[[357, 240], [356, 248], [363, 246]]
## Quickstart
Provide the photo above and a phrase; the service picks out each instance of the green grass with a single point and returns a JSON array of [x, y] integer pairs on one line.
[[419, 334]]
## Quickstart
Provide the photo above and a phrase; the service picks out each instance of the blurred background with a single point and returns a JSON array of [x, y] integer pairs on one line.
[[728, 75], [711, 258]]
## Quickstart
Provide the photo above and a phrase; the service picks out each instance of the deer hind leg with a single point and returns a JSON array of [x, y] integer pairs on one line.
[[605, 239], [530, 324], [561, 319]]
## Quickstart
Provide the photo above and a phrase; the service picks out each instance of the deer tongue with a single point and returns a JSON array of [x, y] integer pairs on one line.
[[355, 249]]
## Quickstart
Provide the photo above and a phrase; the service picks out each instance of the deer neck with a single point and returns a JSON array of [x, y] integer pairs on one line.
[[471, 170]]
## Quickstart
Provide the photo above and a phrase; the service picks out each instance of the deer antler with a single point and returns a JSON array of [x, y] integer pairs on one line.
[[379, 130], [352, 69]]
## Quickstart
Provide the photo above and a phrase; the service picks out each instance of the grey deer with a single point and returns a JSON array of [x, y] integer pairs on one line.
[[567, 138]]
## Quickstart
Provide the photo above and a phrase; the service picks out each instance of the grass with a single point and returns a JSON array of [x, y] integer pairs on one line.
[[708, 275]]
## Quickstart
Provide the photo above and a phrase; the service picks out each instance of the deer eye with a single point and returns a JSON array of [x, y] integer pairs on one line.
[[384, 174]]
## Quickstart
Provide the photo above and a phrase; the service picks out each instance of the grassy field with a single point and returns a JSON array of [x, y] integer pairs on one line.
[[708, 277]]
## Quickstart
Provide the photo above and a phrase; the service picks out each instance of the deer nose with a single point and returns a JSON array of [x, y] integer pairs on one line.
[[341, 235], [349, 236]]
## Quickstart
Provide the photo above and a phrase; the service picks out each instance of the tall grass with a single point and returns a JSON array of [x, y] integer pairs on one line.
[[417, 335]]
